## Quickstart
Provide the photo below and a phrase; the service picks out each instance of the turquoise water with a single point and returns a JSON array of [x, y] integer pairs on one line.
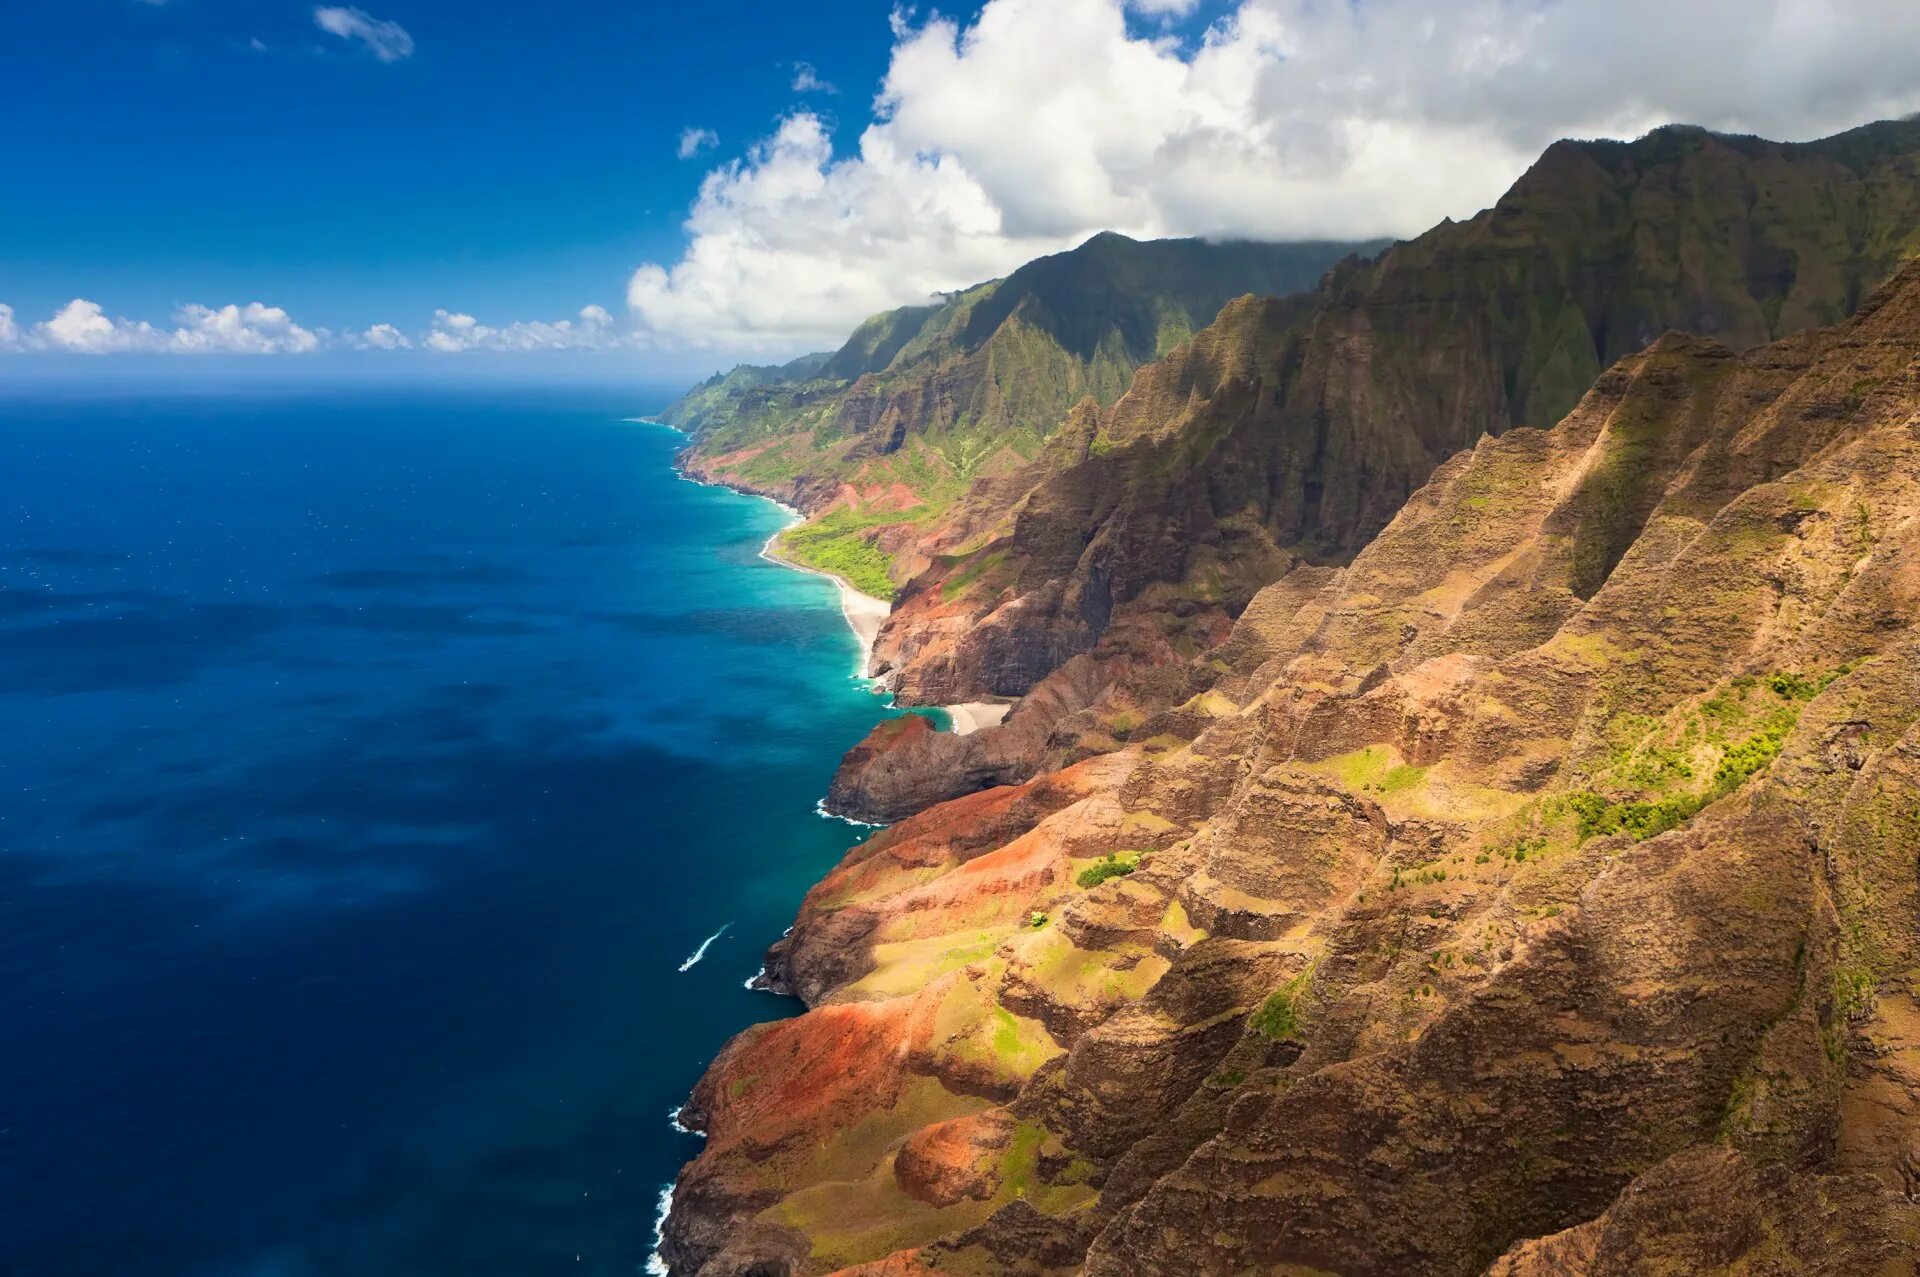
[[375, 763]]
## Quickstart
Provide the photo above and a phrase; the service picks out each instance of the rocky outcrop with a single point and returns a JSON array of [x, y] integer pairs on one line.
[[1538, 892], [905, 766]]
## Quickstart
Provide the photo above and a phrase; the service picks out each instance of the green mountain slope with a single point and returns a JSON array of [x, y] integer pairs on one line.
[[922, 400], [715, 398]]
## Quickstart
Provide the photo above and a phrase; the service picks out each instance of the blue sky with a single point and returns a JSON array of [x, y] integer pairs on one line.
[[520, 163], [661, 187]]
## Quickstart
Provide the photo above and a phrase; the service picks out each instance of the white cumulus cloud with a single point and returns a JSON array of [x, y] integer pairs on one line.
[[381, 337], [594, 329], [83, 327], [387, 41], [1047, 120], [252, 329]]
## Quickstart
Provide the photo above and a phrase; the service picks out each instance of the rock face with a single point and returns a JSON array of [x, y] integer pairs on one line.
[[1536, 893], [1295, 429]]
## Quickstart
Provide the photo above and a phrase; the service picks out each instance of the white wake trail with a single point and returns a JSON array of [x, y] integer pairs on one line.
[[701, 952]]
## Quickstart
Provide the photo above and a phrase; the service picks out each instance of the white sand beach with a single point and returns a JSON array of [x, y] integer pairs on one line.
[[866, 615], [974, 715]]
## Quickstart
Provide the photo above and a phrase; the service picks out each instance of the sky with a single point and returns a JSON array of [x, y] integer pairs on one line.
[[669, 188]]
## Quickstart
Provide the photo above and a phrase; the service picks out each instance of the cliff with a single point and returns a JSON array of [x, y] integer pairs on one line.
[[1527, 881]]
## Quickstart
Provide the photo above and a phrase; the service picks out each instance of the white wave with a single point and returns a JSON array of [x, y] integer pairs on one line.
[[673, 1120], [701, 952], [656, 1266], [820, 810]]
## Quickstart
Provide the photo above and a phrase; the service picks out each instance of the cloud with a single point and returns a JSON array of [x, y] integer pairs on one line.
[[1047, 120], [253, 329], [807, 80], [387, 41], [694, 141], [380, 337], [82, 327], [594, 329]]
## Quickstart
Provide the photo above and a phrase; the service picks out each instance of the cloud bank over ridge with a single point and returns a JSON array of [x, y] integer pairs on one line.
[[1045, 121]]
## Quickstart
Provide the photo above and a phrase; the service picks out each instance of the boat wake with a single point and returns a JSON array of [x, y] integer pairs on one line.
[[701, 952]]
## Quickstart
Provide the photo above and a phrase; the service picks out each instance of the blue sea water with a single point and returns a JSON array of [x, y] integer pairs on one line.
[[373, 764]]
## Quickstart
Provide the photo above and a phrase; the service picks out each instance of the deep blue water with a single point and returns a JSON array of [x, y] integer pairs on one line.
[[371, 764]]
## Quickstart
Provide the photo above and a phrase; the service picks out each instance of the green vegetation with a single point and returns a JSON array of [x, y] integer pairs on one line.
[[1279, 1016], [1655, 765], [1638, 820], [834, 543], [1374, 769], [1113, 865], [983, 377], [1018, 1163], [718, 395], [956, 585]]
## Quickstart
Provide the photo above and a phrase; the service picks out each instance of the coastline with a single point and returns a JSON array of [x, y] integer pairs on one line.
[[864, 613]]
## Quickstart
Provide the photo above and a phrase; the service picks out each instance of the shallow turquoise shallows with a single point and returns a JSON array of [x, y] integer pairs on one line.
[[374, 765]]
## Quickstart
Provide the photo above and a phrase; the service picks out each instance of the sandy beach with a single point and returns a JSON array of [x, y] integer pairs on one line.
[[865, 614], [974, 715]]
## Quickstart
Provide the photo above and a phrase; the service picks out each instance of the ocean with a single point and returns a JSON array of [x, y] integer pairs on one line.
[[377, 765]]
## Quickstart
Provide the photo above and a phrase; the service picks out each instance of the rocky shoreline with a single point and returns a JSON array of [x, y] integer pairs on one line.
[[942, 770]]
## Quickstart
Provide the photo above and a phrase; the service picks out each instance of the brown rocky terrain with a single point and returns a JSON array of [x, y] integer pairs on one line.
[[1535, 892]]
